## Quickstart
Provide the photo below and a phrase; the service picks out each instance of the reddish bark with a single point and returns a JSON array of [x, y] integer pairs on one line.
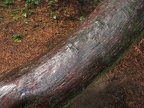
[[52, 78]]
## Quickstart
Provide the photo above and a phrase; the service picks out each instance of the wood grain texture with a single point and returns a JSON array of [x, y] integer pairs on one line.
[[55, 76]]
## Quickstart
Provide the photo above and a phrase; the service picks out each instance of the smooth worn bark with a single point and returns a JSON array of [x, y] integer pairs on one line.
[[55, 76]]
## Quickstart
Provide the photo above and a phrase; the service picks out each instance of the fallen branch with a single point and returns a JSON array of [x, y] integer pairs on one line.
[[55, 76]]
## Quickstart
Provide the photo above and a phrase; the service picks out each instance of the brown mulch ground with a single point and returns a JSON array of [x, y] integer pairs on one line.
[[121, 87]]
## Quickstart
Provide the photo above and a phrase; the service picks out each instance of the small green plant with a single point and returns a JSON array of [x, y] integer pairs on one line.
[[28, 13], [22, 10], [81, 18], [51, 2], [18, 11], [14, 11], [6, 3], [31, 2], [17, 37], [53, 15]]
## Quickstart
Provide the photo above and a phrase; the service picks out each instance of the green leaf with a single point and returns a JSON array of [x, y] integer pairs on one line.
[[54, 17], [25, 15], [17, 40], [82, 18], [51, 2], [36, 2], [17, 37], [14, 11]]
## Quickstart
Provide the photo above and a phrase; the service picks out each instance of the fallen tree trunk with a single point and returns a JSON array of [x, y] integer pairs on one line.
[[52, 78]]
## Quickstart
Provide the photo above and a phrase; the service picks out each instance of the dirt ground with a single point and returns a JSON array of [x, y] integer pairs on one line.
[[121, 87], [46, 25]]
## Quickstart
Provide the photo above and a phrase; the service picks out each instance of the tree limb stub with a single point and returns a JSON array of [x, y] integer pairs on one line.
[[53, 77]]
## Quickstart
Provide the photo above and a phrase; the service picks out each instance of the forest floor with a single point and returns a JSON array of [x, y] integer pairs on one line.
[[26, 32]]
